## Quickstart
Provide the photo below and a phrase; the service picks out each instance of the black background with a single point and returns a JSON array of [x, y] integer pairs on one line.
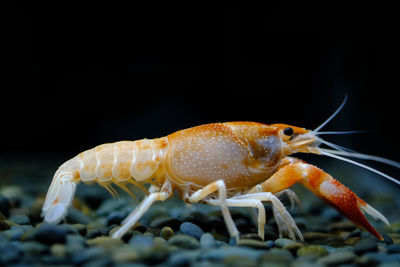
[[78, 74]]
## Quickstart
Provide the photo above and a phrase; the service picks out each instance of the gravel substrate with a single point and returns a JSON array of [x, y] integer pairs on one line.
[[177, 234]]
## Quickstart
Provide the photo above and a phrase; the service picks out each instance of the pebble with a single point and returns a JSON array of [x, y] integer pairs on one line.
[[184, 241], [115, 217], [337, 258], [282, 242], [58, 250], [393, 248], [160, 222], [256, 244], [191, 229], [227, 252], [387, 239], [207, 240], [75, 216], [105, 242], [277, 255], [312, 250], [365, 245], [20, 219], [317, 236], [125, 254], [166, 232], [50, 234]]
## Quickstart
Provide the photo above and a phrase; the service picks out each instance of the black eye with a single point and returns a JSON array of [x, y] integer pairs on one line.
[[288, 131]]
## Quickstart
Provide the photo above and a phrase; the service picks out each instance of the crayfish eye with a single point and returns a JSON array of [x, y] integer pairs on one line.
[[288, 131]]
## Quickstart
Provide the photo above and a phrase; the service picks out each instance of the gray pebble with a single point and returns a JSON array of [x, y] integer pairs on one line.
[[365, 245], [256, 244], [191, 229], [207, 240], [20, 219]]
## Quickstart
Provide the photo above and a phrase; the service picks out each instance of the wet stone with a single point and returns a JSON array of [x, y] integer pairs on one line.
[[387, 239], [92, 233], [365, 245], [184, 241], [50, 234], [207, 240], [166, 232], [20, 219], [191, 229], [228, 252], [312, 250], [256, 244], [125, 254], [115, 217], [276, 255], [281, 242], [393, 248], [337, 258], [293, 247], [161, 222], [75, 216], [105, 242], [9, 253], [58, 250]]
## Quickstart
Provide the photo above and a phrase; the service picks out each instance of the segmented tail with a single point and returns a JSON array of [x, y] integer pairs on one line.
[[59, 197]]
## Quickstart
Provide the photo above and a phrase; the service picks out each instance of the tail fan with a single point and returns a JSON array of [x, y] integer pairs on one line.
[[59, 197]]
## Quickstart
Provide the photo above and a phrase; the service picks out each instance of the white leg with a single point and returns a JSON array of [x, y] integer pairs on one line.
[[293, 198], [286, 218], [253, 203], [221, 188], [138, 212]]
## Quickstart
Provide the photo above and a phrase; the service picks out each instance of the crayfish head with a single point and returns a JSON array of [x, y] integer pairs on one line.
[[297, 139]]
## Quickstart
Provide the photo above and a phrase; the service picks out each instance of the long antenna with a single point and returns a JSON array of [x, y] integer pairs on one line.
[[360, 165], [332, 116]]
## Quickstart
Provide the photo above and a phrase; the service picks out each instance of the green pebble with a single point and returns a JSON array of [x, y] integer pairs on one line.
[[184, 241], [257, 244], [293, 247], [125, 253], [312, 250], [105, 242], [58, 250], [166, 232]]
